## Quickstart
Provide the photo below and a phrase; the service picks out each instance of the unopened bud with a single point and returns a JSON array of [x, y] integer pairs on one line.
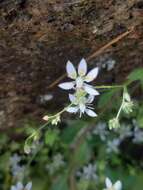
[[46, 118], [114, 123]]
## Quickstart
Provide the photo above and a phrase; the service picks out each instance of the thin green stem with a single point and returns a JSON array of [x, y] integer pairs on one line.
[[37, 131], [108, 87], [31, 159], [43, 126], [64, 109], [59, 113], [120, 109], [115, 86]]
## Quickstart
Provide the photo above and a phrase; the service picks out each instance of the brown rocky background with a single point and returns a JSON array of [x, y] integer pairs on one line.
[[37, 37]]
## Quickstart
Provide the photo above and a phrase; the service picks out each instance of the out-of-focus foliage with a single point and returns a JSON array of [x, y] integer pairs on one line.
[[84, 149]]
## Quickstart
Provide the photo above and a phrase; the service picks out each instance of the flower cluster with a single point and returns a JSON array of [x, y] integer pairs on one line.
[[20, 186], [84, 94], [127, 103], [114, 123], [126, 107]]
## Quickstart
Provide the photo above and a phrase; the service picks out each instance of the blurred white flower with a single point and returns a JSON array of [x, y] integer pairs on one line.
[[80, 78], [56, 163], [109, 64], [138, 135], [14, 160], [20, 186], [16, 169], [112, 146], [134, 122], [45, 98], [81, 105], [100, 129], [110, 186], [124, 131], [58, 160], [88, 173]]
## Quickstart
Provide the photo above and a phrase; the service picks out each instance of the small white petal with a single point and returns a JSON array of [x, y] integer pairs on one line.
[[82, 108], [91, 113], [72, 98], [66, 85], [72, 109], [90, 99], [92, 75], [82, 68], [118, 185], [28, 186], [90, 90], [108, 183], [71, 70]]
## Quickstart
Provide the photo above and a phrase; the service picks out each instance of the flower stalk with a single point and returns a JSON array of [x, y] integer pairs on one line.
[[82, 98]]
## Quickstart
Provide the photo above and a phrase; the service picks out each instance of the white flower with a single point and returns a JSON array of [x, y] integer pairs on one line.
[[81, 105], [124, 131], [84, 93], [56, 164], [58, 160], [45, 98], [100, 129], [138, 135], [16, 170], [109, 64], [110, 186], [80, 78], [20, 186], [112, 146], [89, 172], [15, 159]]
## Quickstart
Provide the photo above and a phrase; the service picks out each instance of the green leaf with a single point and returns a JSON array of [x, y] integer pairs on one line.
[[83, 154], [136, 75], [106, 97], [3, 139], [39, 182], [140, 116], [4, 160], [83, 184], [51, 136], [70, 132], [60, 183]]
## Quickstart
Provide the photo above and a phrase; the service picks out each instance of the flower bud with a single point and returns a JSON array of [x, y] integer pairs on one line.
[[114, 123], [46, 118]]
